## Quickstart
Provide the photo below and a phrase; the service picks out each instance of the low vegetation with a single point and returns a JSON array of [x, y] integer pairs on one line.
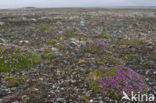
[[12, 81], [13, 58]]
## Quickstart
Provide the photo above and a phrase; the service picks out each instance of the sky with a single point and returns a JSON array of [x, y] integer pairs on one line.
[[4, 4]]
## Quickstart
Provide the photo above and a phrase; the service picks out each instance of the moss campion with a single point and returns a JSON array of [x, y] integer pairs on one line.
[[113, 81]]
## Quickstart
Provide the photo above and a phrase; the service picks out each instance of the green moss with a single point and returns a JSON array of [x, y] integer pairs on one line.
[[101, 72], [131, 56], [48, 55], [43, 28], [3, 27], [60, 46], [104, 35], [128, 42], [94, 86], [1, 41], [86, 54], [85, 97], [108, 60], [147, 63], [69, 33], [12, 81], [51, 42], [14, 59]]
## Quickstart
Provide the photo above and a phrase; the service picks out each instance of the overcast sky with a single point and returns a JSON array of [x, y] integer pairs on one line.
[[73, 3]]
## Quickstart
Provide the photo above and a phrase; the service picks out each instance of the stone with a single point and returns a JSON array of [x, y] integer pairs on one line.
[[100, 101], [1, 100], [91, 101], [154, 72], [60, 100], [15, 102], [83, 43], [2, 23], [55, 49], [82, 23]]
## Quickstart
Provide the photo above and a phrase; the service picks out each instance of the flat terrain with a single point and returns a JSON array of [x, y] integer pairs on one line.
[[60, 78]]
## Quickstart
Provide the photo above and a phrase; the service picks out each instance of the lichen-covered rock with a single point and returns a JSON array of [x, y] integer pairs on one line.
[[113, 81]]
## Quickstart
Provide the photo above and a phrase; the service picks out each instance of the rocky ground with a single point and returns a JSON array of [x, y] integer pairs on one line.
[[66, 33]]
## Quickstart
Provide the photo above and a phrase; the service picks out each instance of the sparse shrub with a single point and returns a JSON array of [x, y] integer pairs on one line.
[[109, 60], [103, 35], [131, 56], [3, 27], [51, 42], [48, 55], [69, 33], [12, 81], [60, 46], [43, 28], [1, 41], [85, 97], [100, 43], [86, 54], [100, 46], [111, 82], [147, 63], [128, 42], [135, 24]]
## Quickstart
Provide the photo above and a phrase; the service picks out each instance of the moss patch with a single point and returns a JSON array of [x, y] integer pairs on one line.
[[13, 58], [131, 56], [12, 81], [147, 63], [3, 27], [103, 35], [48, 55], [1, 41], [51, 42]]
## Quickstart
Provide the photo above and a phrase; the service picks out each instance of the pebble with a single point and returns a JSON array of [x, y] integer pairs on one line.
[[55, 49], [91, 101], [100, 101], [83, 43], [147, 72], [60, 100], [147, 79], [154, 72], [15, 102], [1, 100], [82, 23], [2, 23]]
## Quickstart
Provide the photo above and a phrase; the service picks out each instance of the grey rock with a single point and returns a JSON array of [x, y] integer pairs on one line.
[[154, 72], [100, 101], [91, 101], [60, 100], [82, 23], [83, 43], [147, 79], [1, 100], [2, 23], [15, 102]]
